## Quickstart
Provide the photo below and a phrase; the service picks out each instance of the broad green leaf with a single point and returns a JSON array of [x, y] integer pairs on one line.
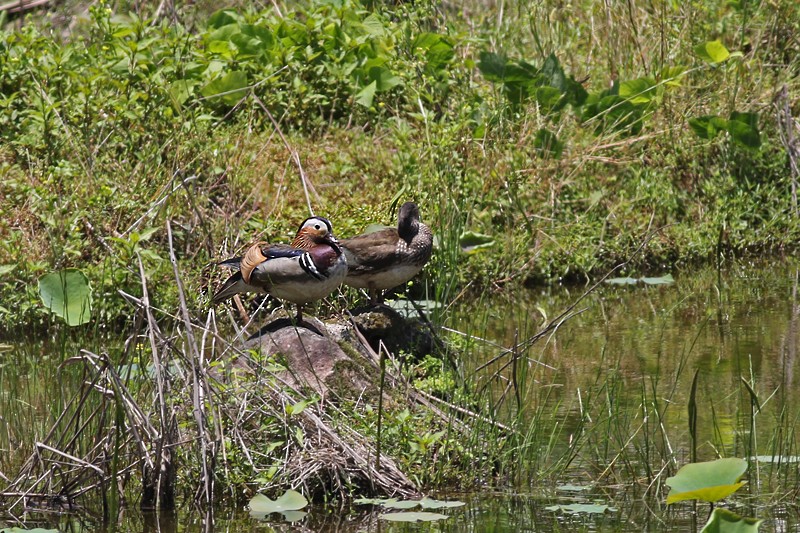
[[221, 18], [672, 76], [290, 501], [712, 51], [472, 242], [420, 516], [230, 88], [67, 294], [384, 79], [708, 126], [5, 269], [639, 91], [374, 25], [402, 504], [366, 95], [547, 143], [581, 508], [709, 481], [430, 503], [743, 128], [179, 91], [725, 521]]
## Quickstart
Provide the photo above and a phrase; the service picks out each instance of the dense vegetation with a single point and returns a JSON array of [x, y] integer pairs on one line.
[[119, 121], [542, 141]]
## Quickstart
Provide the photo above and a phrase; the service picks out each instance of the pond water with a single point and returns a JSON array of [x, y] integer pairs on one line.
[[605, 397]]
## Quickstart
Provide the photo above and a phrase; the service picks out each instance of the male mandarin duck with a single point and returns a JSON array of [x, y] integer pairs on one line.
[[307, 270], [387, 258]]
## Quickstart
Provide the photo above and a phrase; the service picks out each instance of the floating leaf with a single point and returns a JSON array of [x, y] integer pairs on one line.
[[710, 481], [573, 488], [67, 294], [661, 280], [472, 242], [419, 516], [712, 51], [291, 500], [430, 503], [402, 504], [581, 508], [725, 521]]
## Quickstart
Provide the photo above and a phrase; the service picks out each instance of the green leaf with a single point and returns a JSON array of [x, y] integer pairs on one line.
[[384, 79], [710, 481], [221, 18], [472, 242], [230, 88], [403, 504], [743, 128], [712, 52], [291, 500], [420, 516], [639, 91], [67, 294], [547, 143], [430, 503], [708, 126], [366, 95], [374, 26], [5, 269], [725, 521], [672, 76]]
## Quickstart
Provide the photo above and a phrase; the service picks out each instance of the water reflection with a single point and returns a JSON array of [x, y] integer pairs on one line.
[[615, 379]]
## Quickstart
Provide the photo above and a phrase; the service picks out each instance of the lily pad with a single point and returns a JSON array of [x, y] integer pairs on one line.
[[710, 481], [472, 242], [725, 521], [404, 504], [430, 503], [573, 488], [581, 508], [419, 516], [291, 500], [67, 294], [661, 280]]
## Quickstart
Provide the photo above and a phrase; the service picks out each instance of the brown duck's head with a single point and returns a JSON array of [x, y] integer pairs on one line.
[[408, 221], [313, 231]]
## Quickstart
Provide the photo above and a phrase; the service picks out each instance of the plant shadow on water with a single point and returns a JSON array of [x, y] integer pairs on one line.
[[598, 407]]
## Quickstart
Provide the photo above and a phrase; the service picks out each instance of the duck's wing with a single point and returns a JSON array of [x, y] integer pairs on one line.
[[371, 251]]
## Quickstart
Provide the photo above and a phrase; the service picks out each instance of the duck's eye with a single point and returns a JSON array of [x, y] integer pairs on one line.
[[317, 227]]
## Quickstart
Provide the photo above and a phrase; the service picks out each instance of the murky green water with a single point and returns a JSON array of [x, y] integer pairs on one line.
[[606, 399]]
